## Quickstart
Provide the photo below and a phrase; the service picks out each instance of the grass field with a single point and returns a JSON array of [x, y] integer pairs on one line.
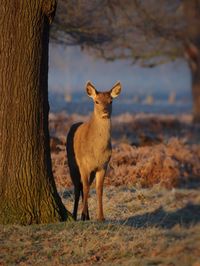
[[148, 221], [143, 227]]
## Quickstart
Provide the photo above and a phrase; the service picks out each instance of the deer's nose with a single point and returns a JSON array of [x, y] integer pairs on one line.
[[106, 109]]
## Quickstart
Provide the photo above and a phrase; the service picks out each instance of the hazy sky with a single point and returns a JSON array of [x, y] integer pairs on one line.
[[70, 68]]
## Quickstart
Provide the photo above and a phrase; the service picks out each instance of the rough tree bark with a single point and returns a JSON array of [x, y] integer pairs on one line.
[[192, 49], [27, 189]]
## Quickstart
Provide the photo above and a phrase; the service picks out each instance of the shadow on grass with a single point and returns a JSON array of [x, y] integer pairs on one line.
[[185, 217]]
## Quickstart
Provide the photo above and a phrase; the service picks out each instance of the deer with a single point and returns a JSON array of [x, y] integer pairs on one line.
[[89, 149]]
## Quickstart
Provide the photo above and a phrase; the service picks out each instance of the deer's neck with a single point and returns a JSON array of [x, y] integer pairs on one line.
[[100, 127]]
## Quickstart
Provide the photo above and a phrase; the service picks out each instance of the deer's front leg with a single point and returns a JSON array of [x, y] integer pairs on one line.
[[99, 189], [86, 188]]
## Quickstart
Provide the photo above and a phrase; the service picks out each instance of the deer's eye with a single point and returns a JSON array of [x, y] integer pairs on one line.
[[96, 102]]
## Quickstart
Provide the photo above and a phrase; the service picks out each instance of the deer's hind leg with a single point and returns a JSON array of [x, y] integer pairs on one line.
[[78, 188]]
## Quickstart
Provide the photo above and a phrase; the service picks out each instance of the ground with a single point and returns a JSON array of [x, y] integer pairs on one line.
[[151, 201], [153, 226]]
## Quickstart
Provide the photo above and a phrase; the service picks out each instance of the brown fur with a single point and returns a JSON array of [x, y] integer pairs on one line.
[[89, 149]]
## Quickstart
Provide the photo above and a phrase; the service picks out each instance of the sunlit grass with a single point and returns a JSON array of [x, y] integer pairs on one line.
[[134, 232]]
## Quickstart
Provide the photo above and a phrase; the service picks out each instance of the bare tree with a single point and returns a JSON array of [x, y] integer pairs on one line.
[[148, 32], [140, 30], [82, 22]]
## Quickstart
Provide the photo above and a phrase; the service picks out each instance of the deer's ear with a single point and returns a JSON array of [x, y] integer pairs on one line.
[[90, 89], [116, 89]]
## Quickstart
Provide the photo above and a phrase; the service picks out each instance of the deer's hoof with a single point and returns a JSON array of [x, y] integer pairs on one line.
[[75, 217], [85, 217], [101, 219]]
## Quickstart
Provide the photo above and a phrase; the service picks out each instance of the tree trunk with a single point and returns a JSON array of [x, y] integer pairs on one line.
[[192, 48], [27, 189], [193, 55]]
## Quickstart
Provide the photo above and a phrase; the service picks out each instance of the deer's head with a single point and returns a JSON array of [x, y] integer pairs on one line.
[[103, 100]]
